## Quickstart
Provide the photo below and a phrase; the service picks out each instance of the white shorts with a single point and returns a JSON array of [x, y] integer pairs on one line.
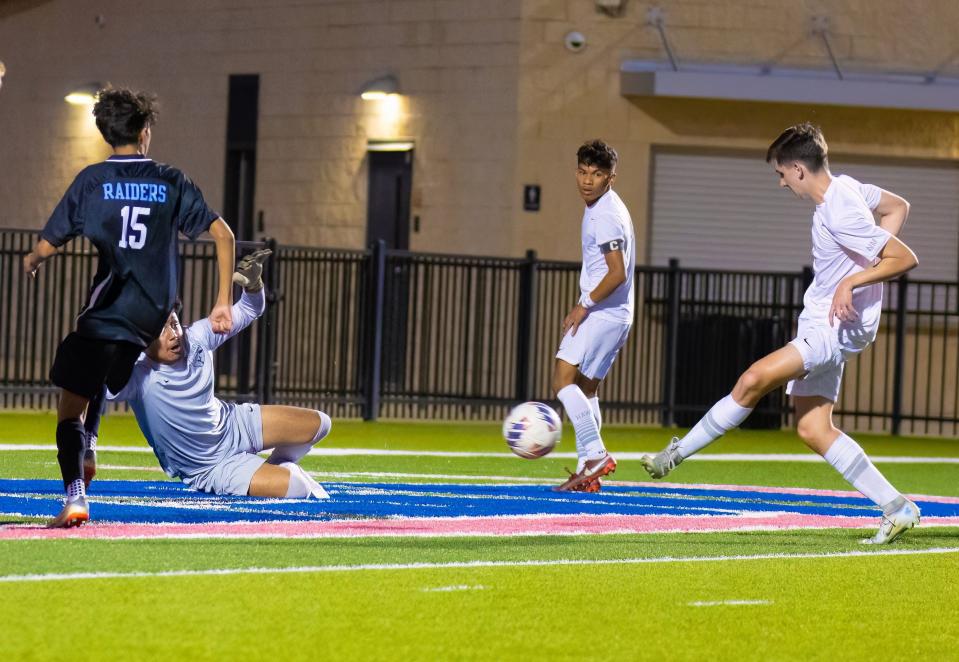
[[233, 471], [824, 351], [594, 347]]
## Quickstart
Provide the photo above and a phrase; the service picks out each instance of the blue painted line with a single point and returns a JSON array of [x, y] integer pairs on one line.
[[156, 501]]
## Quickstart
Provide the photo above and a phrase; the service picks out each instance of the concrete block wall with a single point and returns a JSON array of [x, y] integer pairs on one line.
[[456, 62], [491, 98], [566, 97]]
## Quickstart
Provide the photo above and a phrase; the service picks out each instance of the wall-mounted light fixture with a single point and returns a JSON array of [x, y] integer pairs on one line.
[[380, 88], [83, 95], [390, 145]]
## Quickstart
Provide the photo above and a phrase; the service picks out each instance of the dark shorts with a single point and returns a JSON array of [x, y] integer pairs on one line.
[[84, 365]]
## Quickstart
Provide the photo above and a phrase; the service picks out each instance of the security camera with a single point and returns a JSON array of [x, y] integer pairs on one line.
[[575, 41]]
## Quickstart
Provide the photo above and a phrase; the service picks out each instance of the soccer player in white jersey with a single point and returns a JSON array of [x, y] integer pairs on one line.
[[597, 326], [852, 256], [209, 444]]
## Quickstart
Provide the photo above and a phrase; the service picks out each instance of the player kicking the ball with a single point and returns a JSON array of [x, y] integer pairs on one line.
[[597, 326], [852, 256], [209, 444]]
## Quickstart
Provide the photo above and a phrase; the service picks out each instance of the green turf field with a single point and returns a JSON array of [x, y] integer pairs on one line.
[[760, 595]]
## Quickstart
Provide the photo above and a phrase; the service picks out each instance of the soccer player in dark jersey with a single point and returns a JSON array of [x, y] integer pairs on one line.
[[132, 209]]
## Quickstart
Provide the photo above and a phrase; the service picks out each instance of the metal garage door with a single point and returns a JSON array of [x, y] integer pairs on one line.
[[720, 211]]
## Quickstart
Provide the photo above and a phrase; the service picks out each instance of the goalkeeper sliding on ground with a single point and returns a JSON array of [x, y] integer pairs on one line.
[[209, 444]]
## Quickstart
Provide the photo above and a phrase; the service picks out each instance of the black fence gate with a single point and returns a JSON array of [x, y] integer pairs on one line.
[[386, 333]]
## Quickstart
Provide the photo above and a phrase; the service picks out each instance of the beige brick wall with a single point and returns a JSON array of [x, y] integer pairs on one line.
[[492, 100], [568, 97], [456, 62]]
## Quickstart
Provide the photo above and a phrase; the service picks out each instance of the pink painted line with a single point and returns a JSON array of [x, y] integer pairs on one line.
[[772, 490], [459, 526]]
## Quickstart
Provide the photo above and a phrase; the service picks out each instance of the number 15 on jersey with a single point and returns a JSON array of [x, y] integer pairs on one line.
[[134, 233]]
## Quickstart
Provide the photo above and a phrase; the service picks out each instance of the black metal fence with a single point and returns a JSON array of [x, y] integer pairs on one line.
[[408, 335]]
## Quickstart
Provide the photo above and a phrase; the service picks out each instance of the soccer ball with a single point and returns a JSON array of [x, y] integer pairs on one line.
[[532, 429]]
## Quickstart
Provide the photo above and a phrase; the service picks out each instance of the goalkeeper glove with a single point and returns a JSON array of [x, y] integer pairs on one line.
[[249, 272]]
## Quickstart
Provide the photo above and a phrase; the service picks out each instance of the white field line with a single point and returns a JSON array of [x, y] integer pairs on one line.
[[376, 474], [118, 467], [712, 457], [734, 603], [449, 589], [456, 534], [462, 564], [390, 474]]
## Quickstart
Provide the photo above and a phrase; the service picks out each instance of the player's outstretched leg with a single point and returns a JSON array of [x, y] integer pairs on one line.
[[763, 376], [814, 425], [720, 419]]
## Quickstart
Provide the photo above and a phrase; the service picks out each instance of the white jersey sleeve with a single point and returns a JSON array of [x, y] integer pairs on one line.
[[870, 193], [859, 234], [248, 308], [608, 232]]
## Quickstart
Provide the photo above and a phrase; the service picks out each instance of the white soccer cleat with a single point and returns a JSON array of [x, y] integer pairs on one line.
[[75, 512], [318, 492], [310, 488], [660, 464], [896, 523]]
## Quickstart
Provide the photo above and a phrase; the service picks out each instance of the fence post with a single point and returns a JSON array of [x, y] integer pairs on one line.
[[900, 355], [526, 328], [266, 336], [378, 283], [672, 342]]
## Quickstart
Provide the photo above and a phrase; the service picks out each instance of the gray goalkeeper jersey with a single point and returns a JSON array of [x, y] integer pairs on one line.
[[174, 404]]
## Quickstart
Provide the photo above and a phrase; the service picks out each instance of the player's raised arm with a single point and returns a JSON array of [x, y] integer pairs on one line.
[[893, 211], [221, 317]]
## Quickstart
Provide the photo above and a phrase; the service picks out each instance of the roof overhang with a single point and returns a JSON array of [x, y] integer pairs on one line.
[[808, 86]]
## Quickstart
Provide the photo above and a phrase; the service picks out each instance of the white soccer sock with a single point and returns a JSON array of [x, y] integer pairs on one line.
[[594, 407], [723, 417], [302, 485], [851, 461], [295, 453], [589, 445], [75, 490]]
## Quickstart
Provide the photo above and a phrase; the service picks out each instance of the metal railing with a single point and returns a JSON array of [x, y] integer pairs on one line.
[[409, 335]]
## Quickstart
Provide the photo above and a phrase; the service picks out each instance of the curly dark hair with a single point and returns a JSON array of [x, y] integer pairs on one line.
[[597, 153], [121, 114], [803, 143]]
